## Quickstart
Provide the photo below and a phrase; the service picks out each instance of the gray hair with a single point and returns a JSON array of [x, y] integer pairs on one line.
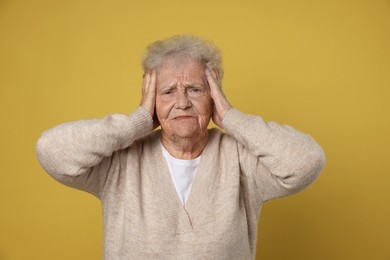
[[196, 48]]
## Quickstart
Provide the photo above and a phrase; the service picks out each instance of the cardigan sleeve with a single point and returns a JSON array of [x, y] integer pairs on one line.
[[79, 154], [279, 159]]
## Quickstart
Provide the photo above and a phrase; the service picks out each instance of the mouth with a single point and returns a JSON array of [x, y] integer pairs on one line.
[[183, 117]]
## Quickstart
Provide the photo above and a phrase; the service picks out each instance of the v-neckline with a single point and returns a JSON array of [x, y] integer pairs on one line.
[[182, 219], [172, 162]]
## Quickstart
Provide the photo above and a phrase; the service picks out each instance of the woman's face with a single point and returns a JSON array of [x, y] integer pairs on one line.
[[183, 101]]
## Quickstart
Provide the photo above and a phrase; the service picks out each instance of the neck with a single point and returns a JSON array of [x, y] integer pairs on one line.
[[184, 148]]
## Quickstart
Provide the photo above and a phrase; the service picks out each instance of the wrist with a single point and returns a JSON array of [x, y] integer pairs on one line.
[[226, 109]]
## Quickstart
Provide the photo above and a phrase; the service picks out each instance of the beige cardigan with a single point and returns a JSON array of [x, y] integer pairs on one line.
[[119, 160]]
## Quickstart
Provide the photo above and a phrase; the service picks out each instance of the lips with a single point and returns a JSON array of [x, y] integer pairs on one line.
[[183, 117]]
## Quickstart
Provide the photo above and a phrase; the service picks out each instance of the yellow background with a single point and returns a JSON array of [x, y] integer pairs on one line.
[[320, 66]]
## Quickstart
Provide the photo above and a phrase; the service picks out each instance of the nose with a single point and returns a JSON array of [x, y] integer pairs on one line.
[[182, 100]]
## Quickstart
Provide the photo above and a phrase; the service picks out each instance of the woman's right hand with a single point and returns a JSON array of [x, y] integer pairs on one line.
[[148, 100]]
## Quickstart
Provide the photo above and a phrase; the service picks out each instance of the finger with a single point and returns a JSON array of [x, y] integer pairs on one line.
[[213, 83], [153, 81], [214, 73], [146, 81]]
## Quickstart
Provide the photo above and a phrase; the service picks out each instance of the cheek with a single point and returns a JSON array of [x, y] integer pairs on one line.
[[205, 107], [162, 108]]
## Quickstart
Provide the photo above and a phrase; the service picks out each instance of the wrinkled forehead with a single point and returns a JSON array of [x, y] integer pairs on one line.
[[182, 70]]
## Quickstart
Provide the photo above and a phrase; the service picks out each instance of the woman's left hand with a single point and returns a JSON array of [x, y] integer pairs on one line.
[[221, 104]]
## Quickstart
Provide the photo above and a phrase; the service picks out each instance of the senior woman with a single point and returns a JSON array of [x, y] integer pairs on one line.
[[182, 191]]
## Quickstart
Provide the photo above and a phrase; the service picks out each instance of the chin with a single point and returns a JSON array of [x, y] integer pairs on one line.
[[188, 132]]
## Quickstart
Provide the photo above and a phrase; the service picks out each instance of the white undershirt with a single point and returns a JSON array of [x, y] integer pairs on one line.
[[182, 174]]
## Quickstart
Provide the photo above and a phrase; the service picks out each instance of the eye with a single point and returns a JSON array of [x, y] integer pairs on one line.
[[168, 92], [195, 90]]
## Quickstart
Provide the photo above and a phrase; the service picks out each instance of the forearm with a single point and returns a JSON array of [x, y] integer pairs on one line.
[[293, 158], [73, 148]]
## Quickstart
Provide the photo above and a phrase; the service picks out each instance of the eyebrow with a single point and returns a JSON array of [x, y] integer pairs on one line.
[[187, 85], [191, 85], [169, 87]]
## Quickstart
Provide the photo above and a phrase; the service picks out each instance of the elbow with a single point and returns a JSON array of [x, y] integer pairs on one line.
[[310, 167], [306, 169], [43, 152], [50, 157], [316, 160], [48, 154]]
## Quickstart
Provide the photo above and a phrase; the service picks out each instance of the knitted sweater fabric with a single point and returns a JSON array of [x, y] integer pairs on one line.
[[119, 160]]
